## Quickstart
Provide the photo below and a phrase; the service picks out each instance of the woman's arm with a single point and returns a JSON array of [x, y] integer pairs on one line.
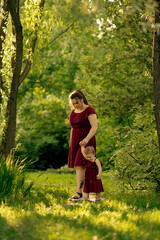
[[70, 136], [99, 168], [94, 125]]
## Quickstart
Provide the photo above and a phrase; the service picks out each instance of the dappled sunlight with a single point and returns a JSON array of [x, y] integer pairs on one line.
[[49, 213]]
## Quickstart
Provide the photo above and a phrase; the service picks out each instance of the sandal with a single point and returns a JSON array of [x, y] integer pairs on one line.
[[76, 196]]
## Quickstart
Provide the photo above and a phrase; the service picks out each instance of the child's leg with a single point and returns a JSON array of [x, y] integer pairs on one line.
[[85, 195], [98, 196]]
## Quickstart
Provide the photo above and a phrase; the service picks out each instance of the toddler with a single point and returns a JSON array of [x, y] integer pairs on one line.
[[92, 182]]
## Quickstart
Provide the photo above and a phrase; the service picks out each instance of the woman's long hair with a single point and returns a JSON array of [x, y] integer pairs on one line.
[[77, 94]]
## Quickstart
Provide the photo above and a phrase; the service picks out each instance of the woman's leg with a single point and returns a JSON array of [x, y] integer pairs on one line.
[[80, 173]]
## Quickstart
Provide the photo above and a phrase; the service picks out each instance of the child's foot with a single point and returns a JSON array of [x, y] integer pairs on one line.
[[84, 199], [98, 198]]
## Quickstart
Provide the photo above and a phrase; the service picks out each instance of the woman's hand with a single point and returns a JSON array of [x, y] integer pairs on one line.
[[98, 176], [83, 143]]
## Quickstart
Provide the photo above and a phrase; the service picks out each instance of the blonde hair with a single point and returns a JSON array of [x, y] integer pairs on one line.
[[89, 150]]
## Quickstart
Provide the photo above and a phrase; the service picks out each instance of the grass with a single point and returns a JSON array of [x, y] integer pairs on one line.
[[12, 178], [46, 214]]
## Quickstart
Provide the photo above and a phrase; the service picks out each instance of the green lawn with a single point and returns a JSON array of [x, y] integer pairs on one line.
[[47, 214]]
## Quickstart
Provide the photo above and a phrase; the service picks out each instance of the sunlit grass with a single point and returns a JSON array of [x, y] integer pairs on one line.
[[47, 213]]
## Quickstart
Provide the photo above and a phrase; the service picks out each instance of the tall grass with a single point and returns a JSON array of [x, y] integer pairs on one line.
[[12, 177]]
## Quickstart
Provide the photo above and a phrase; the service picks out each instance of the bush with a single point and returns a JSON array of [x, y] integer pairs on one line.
[[42, 133], [137, 161], [106, 141]]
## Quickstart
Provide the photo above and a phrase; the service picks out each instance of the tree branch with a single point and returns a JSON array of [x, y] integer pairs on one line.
[[135, 159], [29, 61], [60, 34]]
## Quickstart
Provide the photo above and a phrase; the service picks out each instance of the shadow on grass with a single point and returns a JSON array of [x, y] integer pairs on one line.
[[61, 227], [6, 231], [48, 197], [48, 216], [55, 220]]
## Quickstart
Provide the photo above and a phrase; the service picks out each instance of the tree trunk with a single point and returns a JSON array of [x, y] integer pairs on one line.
[[8, 141], [156, 69]]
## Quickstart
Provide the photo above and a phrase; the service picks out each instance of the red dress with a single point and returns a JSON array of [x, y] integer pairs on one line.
[[80, 129], [91, 183]]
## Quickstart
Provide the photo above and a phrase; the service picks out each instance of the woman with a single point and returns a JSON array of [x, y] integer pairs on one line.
[[83, 121]]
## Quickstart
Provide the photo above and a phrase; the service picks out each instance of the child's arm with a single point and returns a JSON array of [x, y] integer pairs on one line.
[[99, 168]]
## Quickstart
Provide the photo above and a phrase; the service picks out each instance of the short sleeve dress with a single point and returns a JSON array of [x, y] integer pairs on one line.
[[80, 129]]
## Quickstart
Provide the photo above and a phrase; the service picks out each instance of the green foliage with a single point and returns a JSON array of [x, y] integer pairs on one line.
[[106, 141], [12, 178], [30, 14], [115, 70], [107, 54], [42, 131], [137, 160]]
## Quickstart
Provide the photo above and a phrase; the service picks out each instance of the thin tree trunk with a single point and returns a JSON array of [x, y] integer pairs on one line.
[[156, 69], [8, 141]]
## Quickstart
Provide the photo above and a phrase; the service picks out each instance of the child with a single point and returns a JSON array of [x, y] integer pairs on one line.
[[92, 182]]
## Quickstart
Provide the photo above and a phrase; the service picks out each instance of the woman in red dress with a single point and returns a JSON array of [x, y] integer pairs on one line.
[[83, 121]]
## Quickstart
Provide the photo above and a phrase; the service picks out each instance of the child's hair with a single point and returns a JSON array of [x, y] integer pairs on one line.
[[77, 94], [89, 150]]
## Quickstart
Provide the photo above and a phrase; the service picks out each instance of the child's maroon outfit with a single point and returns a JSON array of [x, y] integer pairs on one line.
[[80, 129], [91, 183]]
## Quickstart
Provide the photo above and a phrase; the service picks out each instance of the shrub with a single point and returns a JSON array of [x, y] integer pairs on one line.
[[106, 141], [42, 133], [137, 160]]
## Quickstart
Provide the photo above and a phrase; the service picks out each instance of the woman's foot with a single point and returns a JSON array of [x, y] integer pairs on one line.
[[76, 196]]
